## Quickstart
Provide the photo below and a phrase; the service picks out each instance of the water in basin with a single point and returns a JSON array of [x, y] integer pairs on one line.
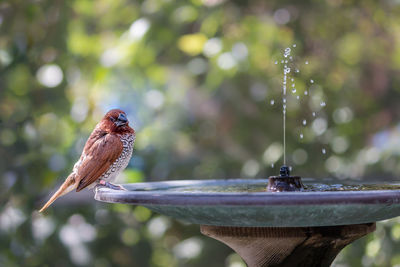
[[310, 186]]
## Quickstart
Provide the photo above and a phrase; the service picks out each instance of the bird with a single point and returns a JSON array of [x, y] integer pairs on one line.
[[106, 153]]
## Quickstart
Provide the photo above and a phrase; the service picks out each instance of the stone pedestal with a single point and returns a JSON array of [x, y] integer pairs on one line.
[[288, 246]]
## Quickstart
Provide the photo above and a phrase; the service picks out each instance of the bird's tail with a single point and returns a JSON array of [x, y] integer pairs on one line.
[[65, 188]]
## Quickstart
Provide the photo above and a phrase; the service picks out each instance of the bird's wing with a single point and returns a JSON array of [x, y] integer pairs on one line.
[[99, 157]]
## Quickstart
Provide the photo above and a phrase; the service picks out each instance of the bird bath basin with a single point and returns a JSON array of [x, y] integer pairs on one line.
[[302, 228]]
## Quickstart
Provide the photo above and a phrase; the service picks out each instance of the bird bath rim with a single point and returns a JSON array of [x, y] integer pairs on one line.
[[157, 193], [257, 209]]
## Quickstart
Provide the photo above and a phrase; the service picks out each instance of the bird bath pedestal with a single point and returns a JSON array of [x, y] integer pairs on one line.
[[305, 227], [288, 246]]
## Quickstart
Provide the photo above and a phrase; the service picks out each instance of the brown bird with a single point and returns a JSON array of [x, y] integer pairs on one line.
[[106, 153]]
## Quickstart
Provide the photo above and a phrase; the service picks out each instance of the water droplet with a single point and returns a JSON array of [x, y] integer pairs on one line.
[[293, 85], [294, 90], [305, 92], [276, 62], [284, 82], [272, 102], [286, 61], [292, 79], [286, 70], [313, 114], [323, 151], [272, 165], [287, 52], [291, 58], [282, 61], [284, 106], [304, 122], [294, 45], [298, 97], [323, 104], [311, 81], [290, 168], [301, 136], [306, 62], [297, 70]]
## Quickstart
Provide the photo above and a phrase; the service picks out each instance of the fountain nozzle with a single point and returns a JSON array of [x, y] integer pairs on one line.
[[284, 182], [284, 171]]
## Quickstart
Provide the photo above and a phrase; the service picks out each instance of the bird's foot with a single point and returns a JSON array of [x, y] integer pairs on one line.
[[111, 186]]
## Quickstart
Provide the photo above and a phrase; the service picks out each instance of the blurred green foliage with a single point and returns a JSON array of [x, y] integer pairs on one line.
[[196, 79]]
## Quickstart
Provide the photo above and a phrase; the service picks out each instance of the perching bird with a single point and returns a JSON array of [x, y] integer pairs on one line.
[[106, 153]]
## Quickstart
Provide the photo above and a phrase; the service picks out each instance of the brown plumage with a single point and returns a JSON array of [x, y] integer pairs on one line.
[[106, 153]]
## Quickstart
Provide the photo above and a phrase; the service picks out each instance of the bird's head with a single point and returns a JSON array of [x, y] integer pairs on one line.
[[116, 120]]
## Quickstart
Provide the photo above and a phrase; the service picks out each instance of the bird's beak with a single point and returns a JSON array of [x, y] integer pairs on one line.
[[122, 120]]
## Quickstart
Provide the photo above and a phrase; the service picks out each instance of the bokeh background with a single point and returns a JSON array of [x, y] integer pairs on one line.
[[196, 79]]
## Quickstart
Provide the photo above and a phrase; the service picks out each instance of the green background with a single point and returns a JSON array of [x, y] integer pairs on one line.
[[196, 79]]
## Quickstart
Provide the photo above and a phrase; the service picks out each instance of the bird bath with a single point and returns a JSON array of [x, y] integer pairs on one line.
[[297, 228], [280, 221]]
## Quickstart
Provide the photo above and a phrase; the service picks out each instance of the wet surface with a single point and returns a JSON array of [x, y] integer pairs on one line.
[[260, 186]]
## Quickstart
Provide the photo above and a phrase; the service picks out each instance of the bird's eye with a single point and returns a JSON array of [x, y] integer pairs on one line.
[[122, 118]]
